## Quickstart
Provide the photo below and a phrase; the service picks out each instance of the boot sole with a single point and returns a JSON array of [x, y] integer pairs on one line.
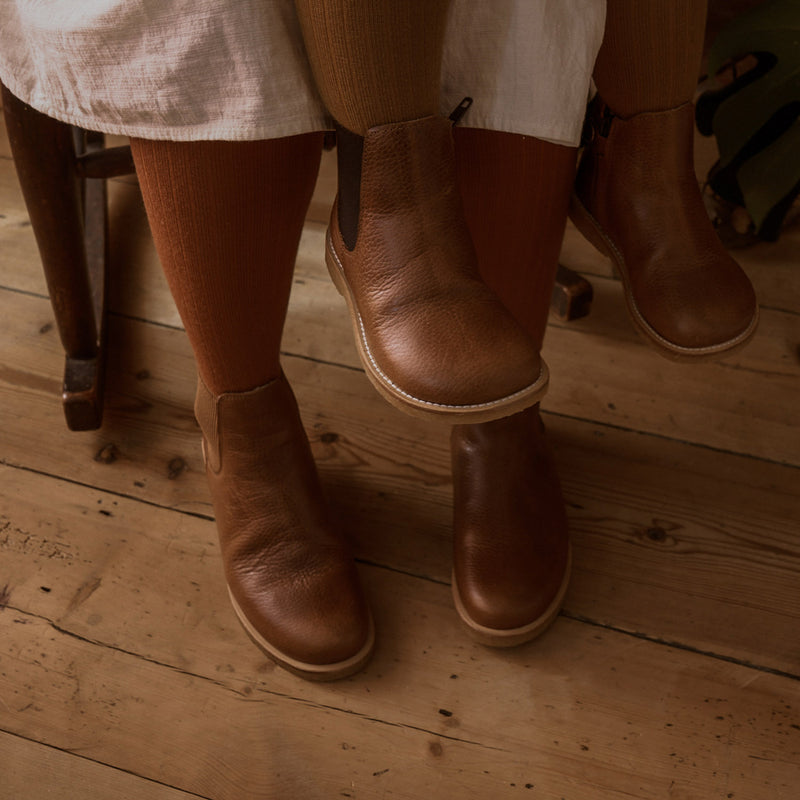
[[593, 232], [512, 637], [454, 414], [310, 672]]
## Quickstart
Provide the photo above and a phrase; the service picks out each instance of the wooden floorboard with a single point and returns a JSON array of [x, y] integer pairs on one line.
[[673, 672], [119, 645]]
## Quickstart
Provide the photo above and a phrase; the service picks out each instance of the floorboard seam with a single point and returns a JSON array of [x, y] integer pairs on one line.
[[408, 573], [664, 437], [336, 364], [680, 646], [24, 292], [76, 754], [111, 492]]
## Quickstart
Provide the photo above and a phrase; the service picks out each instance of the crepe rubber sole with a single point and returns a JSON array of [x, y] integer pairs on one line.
[[311, 672], [511, 637]]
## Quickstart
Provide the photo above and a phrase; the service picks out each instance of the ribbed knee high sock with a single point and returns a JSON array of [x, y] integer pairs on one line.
[[226, 218], [651, 52], [375, 63], [516, 193]]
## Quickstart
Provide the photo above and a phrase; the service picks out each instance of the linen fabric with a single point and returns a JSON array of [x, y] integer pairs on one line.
[[187, 70]]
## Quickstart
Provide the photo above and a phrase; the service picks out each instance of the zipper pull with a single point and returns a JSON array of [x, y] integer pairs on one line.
[[458, 112]]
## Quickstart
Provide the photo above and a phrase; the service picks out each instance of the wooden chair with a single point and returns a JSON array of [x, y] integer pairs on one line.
[[63, 171]]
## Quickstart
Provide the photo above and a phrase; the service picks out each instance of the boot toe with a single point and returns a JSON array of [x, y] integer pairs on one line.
[[319, 632], [509, 603], [459, 370], [695, 321]]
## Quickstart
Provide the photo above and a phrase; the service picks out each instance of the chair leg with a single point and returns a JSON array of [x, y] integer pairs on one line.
[[68, 220], [572, 295]]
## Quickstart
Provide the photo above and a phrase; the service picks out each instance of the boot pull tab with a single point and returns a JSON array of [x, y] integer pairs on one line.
[[597, 127], [596, 124], [605, 120], [458, 112]]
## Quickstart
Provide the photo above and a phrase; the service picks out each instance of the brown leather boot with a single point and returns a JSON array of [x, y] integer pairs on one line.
[[511, 547], [637, 200], [434, 340], [291, 577]]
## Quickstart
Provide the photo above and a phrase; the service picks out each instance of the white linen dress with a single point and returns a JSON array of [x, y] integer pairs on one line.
[[235, 70]]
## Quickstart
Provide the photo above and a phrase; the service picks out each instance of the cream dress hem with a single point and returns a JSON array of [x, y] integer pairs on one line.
[[235, 70]]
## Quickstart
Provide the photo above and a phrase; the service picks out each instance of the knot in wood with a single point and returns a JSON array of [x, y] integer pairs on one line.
[[107, 454], [175, 468], [656, 534]]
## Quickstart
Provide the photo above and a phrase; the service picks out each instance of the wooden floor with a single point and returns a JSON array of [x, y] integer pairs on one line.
[[673, 671]]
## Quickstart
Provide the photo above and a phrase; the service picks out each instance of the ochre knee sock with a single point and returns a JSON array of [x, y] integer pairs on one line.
[[516, 193], [375, 63], [650, 57], [226, 218]]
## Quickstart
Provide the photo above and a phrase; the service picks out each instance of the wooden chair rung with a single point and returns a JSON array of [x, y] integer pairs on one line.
[[109, 163]]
